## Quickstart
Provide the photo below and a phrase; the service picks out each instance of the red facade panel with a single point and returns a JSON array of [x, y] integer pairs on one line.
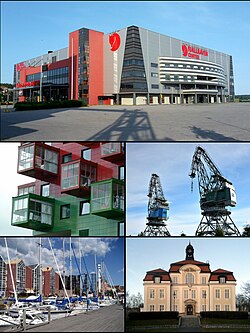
[[10, 289], [28, 279], [73, 64], [95, 66]]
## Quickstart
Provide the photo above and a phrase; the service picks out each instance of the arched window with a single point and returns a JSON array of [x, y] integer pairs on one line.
[[190, 278]]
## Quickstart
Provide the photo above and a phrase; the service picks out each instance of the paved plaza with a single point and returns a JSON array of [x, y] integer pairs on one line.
[[200, 122]]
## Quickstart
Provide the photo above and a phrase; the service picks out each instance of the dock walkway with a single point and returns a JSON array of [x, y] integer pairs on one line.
[[106, 319]]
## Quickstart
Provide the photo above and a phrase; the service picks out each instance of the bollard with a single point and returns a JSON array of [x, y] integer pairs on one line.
[[24, 319], [49, 314]]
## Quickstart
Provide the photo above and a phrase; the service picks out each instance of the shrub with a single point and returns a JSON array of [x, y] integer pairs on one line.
[[153, 315], [22, 106], [225, 314]]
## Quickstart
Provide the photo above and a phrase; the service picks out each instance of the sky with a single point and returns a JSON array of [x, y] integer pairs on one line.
[[172, 163], [9, 180], [29, 29], [109, 250], [152, 253]]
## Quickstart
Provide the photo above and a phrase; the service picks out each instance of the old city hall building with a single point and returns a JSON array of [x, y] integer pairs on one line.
[[189, 287]]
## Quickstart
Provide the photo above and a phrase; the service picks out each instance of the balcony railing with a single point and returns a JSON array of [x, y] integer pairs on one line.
[[76, 177], [112, 152], [38, 160], [107, 198], [32, 211]]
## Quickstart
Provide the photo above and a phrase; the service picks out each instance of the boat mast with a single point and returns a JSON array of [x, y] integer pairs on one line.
[[70, 266], [40, 270], [11, 273]]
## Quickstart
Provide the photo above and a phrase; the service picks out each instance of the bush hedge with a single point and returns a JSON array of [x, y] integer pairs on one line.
[[22, 106], [153, 315], [225, 314]]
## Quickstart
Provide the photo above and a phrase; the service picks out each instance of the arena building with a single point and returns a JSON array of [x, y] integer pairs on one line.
[[132, 66]]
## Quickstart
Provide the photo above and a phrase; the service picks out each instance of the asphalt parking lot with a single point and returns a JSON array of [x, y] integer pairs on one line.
[[202, 122]]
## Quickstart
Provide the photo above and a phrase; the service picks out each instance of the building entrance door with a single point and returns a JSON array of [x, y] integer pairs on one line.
[[190, 310]]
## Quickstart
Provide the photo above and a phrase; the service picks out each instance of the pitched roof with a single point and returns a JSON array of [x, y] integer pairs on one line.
[[15, 261], [175, 267], [215, 275], [150, 275]]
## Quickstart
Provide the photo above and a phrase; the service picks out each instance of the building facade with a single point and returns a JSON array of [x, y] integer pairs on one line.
[[50, 281], [79, 189], [19, 276], [189, 287], [131, 66], [2, 277]]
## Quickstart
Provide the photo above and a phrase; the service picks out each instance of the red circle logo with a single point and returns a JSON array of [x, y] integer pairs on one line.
[[114, 41], [184, 50]]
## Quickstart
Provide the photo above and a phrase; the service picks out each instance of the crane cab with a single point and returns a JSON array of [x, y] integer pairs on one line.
[[226, 196]]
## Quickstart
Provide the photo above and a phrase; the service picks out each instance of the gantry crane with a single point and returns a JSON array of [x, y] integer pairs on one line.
[[158, 208], [216, 193]]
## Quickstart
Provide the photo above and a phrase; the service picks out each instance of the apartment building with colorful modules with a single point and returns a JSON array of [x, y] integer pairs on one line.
[[78, 191]]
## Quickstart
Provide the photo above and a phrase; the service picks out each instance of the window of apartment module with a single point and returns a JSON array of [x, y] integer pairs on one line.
[[45, 190], [54, 59], [153, 64], [67, 158], [86, 154], [26, 190], [65, 212], [84, 208], [121, 229], [121, 172]]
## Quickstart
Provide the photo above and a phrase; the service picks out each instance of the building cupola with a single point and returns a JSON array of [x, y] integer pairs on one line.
[[189, 252]]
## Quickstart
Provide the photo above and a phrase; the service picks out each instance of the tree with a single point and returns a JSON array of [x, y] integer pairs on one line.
[[246, 231], [134, 301], [243, 299]]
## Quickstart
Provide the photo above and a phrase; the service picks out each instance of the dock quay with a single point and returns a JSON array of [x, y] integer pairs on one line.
[[106, 319]]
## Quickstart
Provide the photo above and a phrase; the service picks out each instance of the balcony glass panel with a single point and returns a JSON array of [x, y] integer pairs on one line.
[[70, 175], [46, 159], [118, 196], [40, 212], [110, 148], [20, 210], [26, 156], [101, 194]]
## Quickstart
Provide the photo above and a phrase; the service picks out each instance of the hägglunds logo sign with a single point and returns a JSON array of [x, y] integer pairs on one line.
[[193, 52], [114, 41]]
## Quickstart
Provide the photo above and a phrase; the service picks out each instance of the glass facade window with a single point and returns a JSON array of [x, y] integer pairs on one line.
[[118, 196], [33, 77], [40, 212], [45, 190], [26, 190], [26, 156], [121, 229], [65, 212], [20, 210], [84, 208], [110, 148], [70, 175], [101, 195], [86, 154], [190, 278], [155, 86], [121, 172], [154, 74], [46, 159], [87, 174], [153, 64], [57, 76], [67, 158], [133, 62]]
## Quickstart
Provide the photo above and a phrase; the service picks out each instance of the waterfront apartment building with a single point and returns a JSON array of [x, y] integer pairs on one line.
[[19, 276], [50, 281], [189, 287], [78, 191], [2, 277], [131, 66]]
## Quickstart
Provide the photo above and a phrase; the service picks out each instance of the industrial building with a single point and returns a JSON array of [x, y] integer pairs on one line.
[[131, 66], [189, 287], [78, 191]]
